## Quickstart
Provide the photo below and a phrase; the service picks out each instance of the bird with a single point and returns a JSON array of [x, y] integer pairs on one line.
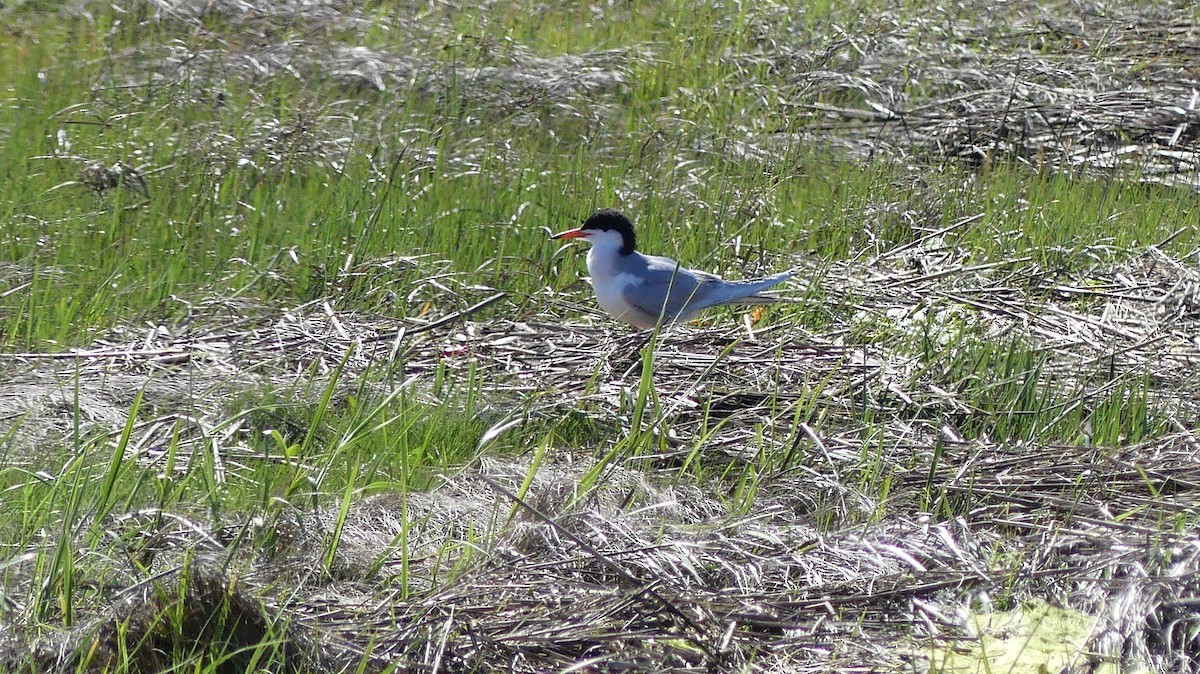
[[640, 289]]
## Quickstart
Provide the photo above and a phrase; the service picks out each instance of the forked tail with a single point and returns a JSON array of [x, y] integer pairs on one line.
[[750, 292]]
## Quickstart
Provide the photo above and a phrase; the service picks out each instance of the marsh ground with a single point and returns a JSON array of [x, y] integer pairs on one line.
[[294, 379]]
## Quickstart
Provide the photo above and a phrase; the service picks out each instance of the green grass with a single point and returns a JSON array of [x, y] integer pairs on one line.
[[217, 226], [276, 193]]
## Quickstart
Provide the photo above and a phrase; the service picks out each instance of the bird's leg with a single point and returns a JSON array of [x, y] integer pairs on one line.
[[628, 353]]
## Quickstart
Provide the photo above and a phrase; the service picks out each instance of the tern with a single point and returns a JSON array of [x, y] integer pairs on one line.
[[639, 289]]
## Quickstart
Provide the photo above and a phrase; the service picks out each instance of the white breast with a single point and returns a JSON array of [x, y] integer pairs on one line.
[[610, 280], [610, 295]]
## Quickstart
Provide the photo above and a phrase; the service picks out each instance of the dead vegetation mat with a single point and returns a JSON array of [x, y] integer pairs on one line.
[[819, 570], [822, 570], [1071, 86]]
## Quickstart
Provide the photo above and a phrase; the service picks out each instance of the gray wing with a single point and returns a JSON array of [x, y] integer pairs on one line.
[[689, 290]]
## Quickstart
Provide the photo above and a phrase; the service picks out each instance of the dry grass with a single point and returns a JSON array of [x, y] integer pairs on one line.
[[649, 572], [921, 436], [1062, 87]]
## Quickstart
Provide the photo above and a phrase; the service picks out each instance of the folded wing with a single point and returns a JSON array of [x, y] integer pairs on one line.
[[686, 292]]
